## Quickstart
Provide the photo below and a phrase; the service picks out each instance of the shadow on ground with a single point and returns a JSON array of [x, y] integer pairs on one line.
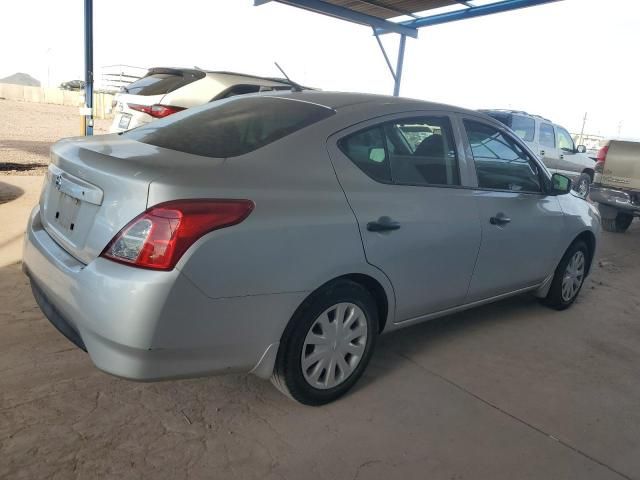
[[9, 192], [38, 147]]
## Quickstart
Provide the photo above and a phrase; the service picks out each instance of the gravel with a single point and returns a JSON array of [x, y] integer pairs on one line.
[[27, 131]]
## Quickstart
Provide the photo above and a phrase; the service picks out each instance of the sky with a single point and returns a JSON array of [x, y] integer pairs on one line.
[[560, 60]]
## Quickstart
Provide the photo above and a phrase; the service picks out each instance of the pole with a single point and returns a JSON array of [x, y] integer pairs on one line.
[[396, 87], [584, 121], [88, 66]]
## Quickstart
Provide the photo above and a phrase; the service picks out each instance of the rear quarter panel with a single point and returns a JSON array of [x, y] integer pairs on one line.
[[301, 234]]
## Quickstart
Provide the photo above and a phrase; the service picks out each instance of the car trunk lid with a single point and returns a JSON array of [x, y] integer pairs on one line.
[[95, 187]]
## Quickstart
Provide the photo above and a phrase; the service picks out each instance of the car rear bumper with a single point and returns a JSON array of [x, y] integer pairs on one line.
[[626, 200], [147, 325]]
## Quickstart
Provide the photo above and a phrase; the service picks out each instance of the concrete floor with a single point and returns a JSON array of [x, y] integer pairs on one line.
[[507, 391]]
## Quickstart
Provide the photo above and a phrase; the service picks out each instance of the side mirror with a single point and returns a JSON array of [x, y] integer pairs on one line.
[[581, 149], [560, 184], [377, 154]]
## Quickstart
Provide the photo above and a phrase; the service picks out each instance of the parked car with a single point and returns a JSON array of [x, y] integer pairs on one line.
[[617, 184], [553, 144], [74, 85], [279, 234], [165, 91]]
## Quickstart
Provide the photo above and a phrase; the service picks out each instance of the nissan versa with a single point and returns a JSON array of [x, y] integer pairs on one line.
[[281, 233]]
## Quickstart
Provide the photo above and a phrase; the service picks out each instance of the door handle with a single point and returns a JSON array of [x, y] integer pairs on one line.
[[383, 224], [562, 156], [542, 152], [499, 219]]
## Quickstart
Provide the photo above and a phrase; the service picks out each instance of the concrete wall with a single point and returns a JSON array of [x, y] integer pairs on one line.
[[56, 96]]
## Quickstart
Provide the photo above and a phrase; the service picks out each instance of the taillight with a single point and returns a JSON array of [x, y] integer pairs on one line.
[[158, 238], [600, 159], [156, 111]]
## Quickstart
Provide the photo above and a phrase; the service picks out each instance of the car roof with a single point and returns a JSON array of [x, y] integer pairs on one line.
[[516, 112], [340, 100]]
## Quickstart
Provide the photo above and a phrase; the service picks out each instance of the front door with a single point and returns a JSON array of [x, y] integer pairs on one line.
[[568, 163], [548, 152], [402, 178], [521, 225]]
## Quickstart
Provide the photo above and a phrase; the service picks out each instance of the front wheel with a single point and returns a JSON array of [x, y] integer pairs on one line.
[[327, 345], [583, 185], [569, 277]]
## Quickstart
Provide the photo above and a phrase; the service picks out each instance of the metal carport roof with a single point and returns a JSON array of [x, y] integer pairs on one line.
[[403, 17], [409, 15]]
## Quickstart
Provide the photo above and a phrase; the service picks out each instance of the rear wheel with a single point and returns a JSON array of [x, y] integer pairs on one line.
[[327, 345], [619, 224], [569, 276]]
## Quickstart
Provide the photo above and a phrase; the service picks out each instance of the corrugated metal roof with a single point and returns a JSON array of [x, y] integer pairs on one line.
[[392, 8]]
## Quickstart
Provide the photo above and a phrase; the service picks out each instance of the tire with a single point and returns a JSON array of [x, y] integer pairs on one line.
[[582, 185], [320, 383], [558, 296], [619, 224]]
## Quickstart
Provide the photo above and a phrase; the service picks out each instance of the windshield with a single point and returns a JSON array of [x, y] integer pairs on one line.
[[162, 82]]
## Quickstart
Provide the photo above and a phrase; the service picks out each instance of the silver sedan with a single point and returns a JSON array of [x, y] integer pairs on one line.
[[280, 234]]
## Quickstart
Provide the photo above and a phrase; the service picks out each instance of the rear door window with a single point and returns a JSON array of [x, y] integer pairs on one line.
[[524, 127], [230, 127], [547, 135], [367, 149], [415, 151], [161, 82]]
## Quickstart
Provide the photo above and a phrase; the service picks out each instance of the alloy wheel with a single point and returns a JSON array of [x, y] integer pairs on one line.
[[583, 187]]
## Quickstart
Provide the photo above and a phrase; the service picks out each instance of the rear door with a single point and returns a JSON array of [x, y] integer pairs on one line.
[[405, 181], [521, 224]]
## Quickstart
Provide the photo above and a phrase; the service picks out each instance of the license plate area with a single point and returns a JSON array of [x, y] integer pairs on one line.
[[65, 214], [125, 119]]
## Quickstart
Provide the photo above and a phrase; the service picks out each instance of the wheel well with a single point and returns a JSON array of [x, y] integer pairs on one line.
[[590, 172], [377, 292], [590, 239]]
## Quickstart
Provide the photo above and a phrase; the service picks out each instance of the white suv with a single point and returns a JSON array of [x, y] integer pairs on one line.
[[164, 91], [553, 144]]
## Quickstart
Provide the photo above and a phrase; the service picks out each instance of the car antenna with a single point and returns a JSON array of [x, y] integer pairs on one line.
[[295, 87]]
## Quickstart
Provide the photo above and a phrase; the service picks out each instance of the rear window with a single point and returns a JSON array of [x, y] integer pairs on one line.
[[524, 127], [230, 127], [161, 82]]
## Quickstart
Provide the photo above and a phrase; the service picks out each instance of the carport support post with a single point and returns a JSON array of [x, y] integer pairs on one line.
[[396, 87], [88, 67]]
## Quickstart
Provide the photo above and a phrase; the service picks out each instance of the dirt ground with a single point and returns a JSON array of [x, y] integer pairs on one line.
[[507, 391], [27, 130]]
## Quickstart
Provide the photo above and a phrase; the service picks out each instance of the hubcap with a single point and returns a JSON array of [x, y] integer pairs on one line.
[[573, 276], [583, 187], [334, 346]]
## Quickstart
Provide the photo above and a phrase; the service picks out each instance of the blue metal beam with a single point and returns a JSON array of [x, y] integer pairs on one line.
[[88, 65], [320, 6], [398, 76], [472, 12]]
